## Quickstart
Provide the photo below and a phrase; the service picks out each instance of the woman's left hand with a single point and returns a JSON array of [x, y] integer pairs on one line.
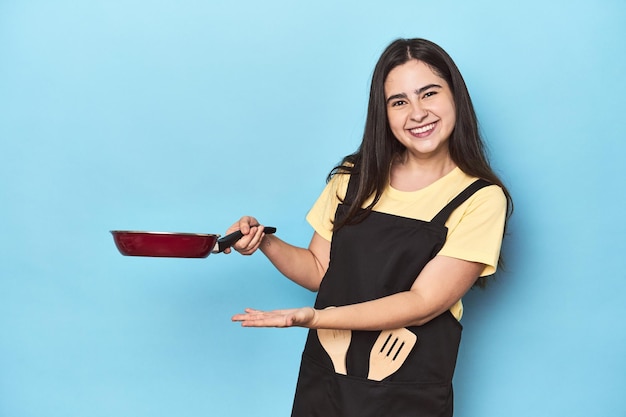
[[301, 317]]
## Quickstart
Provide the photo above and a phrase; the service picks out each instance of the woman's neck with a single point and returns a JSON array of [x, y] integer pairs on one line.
[[412, 174]]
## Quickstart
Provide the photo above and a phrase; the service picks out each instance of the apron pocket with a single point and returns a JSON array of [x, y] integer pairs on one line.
[[323, 393]]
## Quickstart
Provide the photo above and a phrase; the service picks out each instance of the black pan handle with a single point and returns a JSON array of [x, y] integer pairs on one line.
[[232, 238]]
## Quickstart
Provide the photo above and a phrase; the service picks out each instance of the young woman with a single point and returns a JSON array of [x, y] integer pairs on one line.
[[404, 228]]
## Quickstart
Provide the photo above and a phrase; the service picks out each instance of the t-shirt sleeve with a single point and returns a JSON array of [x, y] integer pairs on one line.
[[475, 234], [322, 214]]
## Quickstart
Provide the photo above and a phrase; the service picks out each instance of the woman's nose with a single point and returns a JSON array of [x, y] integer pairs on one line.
[[418, 112]]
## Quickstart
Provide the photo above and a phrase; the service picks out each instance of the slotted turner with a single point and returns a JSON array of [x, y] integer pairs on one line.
[[389, 352]]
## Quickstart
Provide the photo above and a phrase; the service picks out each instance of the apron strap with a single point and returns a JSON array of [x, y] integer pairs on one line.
[[442, 216], [445, 212]]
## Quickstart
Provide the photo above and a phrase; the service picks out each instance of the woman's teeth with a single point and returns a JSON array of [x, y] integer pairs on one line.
[[423, 129]]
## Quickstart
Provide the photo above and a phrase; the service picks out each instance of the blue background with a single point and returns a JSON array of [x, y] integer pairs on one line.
[[183, 116]]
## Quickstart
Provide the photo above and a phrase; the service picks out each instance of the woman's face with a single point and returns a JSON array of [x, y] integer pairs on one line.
[[420, 109]]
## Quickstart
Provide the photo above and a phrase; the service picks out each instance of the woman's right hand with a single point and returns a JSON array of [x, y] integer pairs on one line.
[[252, 235], [305, 267]]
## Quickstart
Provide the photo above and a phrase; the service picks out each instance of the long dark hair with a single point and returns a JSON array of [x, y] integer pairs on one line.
[[372, 161]]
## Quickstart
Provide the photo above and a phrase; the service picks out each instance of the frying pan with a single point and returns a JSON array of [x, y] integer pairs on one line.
[[175, 245]]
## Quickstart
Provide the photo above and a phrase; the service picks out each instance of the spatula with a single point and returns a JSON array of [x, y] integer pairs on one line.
[[336, 343], [389, 352]]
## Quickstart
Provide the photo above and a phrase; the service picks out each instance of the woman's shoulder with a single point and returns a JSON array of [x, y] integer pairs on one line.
[[490, 195], [338, 183], [462, 180]]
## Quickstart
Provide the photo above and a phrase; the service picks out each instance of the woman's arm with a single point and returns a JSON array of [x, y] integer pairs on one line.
[[441, 283], [305, 267]]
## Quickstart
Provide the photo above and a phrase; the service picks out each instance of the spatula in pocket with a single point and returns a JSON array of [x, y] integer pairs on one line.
[[389, 352], [336, 343]]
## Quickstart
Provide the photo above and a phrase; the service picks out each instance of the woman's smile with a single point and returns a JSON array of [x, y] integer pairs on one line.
[[423, 131]]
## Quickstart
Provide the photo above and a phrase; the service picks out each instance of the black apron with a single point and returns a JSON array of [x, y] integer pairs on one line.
[[378, 257]]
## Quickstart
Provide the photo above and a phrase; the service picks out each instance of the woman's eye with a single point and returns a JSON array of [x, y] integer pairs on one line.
[[429, 94], [397, 103]]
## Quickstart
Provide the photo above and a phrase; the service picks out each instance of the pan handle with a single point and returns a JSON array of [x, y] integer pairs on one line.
[[232, 238]]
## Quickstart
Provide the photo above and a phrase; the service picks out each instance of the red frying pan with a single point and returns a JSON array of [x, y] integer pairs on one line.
[[175, 245]]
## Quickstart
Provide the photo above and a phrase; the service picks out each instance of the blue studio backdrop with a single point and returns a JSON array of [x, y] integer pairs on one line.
[[185, 115]]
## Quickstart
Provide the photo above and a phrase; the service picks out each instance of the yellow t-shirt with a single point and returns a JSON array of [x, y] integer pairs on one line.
[[475, 228]]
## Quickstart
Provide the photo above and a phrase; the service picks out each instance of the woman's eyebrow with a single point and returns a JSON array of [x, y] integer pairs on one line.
[[426, 88], [396, 96]]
